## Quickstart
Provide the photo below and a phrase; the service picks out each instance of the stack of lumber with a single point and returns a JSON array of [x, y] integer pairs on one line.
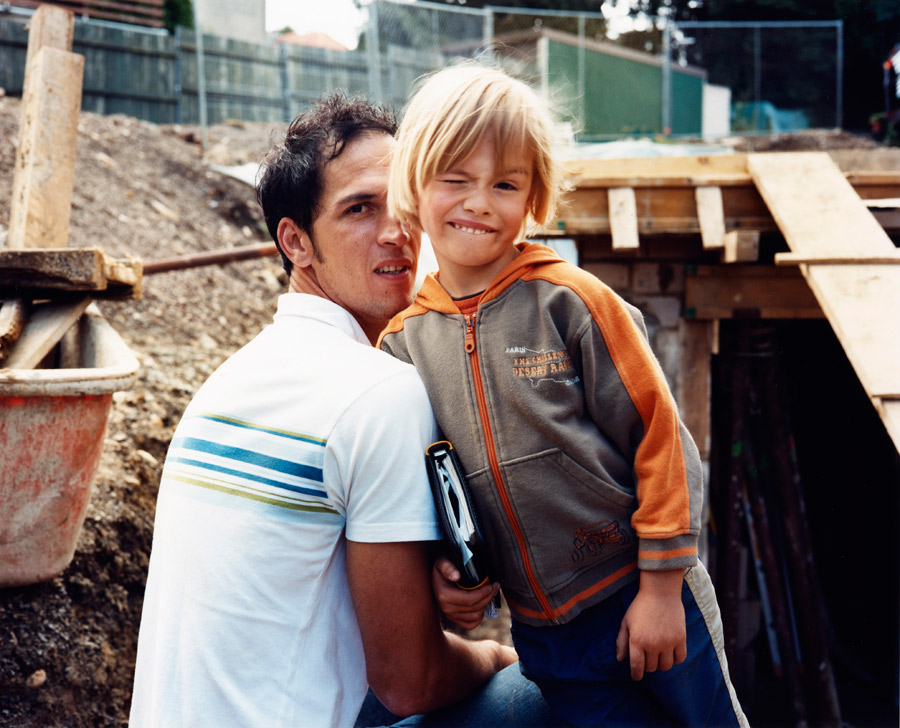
[[45, 286]]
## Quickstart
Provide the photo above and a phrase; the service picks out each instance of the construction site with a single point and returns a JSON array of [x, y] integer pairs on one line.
[[133, 263]]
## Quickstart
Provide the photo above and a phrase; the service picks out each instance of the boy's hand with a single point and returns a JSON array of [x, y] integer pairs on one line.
[[653, 632], [463, 607]]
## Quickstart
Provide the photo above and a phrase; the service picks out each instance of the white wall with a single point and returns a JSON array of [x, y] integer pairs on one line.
[[239, 19], [716, 111]]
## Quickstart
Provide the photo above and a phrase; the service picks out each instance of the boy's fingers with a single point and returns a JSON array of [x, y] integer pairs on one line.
[[681, 653], [622, 642], [638, 665]]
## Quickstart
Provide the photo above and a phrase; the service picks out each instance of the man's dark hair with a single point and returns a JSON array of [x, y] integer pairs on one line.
[[291, 181]]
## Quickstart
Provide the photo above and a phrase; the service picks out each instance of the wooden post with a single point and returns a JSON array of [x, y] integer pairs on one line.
[[44, 174]]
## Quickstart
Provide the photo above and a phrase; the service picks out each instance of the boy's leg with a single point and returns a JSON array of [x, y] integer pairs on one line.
[[698, 692], [576, 668]]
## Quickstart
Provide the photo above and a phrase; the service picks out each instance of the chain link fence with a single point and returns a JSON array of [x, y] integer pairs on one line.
[[690, 79], [686, 79]]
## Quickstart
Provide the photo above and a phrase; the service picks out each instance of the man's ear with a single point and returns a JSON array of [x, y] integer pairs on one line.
[[296, 243]]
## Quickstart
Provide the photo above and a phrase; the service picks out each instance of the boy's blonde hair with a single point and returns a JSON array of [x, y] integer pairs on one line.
[[448, 117]]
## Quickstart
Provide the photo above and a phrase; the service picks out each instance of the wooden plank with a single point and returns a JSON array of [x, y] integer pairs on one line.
[[889, 409], [12, 319], [759, 291], [815, 207], [821, 216], [715, 169], [711, 214], [623, 218], [695, 340], [46, 325], [44, 174], [741, 246], [797, 259], [67, 269], [52, 273]]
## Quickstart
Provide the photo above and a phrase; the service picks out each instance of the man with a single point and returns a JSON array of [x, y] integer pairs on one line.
[[288, 566]]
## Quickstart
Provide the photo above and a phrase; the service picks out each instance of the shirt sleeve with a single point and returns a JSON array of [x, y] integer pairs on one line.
[[377, 450]]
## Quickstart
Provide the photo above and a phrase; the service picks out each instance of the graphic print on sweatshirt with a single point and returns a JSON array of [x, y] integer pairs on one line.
[[542, 365]]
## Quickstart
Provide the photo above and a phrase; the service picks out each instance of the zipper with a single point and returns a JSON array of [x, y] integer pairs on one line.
[[471, 350]]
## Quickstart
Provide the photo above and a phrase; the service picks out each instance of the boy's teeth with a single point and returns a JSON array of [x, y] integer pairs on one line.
[[390, 269], [469, 230]]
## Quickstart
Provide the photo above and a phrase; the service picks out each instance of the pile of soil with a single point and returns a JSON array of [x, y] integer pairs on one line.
[[67, 646]]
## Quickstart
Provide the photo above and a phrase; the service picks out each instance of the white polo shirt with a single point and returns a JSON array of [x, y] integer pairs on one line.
[[304, 438]]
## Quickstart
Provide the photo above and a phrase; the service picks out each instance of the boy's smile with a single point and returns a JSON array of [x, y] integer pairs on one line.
[[474, 213]]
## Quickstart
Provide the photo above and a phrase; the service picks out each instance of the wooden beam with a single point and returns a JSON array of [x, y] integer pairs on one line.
[[623, 221], [741, 246], [12, 319], [46, 325], [41, 272], [50, 27], [44, 174], [711, 214], [694, 380], [757, 291]]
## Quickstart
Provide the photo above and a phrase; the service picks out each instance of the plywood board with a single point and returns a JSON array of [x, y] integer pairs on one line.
[[623, 220], [46, 325]]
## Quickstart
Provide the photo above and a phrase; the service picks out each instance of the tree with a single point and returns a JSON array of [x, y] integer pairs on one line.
[[178, 13]]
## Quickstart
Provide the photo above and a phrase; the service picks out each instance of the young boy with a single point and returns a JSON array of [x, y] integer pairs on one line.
[[587, 484]]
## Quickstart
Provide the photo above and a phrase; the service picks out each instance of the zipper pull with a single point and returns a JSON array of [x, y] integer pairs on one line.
[[470, 333]]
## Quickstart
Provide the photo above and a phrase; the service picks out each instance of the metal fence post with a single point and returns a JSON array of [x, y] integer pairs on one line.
[[374, 51], [176, 91], [582, 122], [839, 91], [487, 33], [285, 81], [667, 78]]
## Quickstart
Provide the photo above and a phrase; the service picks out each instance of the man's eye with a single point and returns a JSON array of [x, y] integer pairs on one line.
[[356, 209]]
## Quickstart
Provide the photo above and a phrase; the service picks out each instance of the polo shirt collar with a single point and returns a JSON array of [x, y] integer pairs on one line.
[[306, 305]]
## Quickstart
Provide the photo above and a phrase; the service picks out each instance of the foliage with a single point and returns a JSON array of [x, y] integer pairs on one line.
[[178, 13]]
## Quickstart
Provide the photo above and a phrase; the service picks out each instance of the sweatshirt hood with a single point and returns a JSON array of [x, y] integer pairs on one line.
[[432, 295]]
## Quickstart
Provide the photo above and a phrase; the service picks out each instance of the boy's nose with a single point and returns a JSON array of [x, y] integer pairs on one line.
[[476, 202]]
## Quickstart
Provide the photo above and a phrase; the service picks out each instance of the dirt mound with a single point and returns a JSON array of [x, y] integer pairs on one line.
[[67, 646]]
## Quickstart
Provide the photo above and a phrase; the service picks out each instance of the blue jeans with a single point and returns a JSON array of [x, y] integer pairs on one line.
[[576, 668], [508, 699]]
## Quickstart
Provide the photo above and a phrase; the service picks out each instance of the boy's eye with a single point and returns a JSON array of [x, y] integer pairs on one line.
[[507, 186]]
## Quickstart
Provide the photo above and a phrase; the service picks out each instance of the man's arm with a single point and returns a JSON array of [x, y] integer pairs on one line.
[[412, 665]]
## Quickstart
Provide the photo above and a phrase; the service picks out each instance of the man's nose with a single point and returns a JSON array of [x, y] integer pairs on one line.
[[391, 232]]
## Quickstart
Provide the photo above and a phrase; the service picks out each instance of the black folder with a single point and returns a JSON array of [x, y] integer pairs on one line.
[[463, 542]]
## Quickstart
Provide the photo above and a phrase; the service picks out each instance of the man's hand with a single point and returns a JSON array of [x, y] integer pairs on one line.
[[464, 607], [653, 633]]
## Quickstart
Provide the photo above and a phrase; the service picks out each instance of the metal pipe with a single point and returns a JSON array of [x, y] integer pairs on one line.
[[214, 257]]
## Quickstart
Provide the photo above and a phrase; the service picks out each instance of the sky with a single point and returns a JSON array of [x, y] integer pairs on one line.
[[338, 18]]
